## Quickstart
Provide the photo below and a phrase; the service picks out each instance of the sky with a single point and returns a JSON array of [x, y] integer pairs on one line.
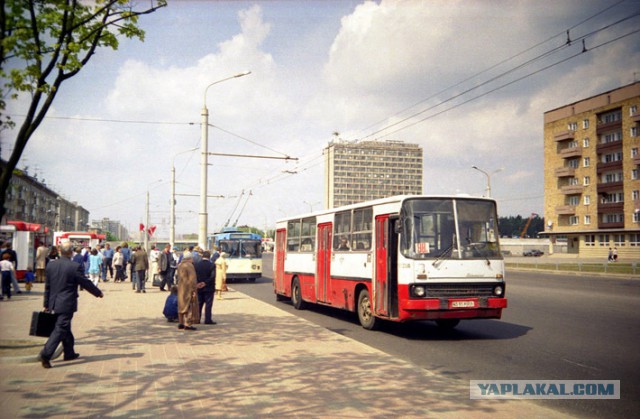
[[469, 81]]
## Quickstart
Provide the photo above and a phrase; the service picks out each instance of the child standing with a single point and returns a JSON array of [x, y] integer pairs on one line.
[[29, 277], [6, 266]]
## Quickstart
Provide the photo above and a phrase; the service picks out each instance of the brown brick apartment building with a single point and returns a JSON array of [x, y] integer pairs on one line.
[[592, 174]]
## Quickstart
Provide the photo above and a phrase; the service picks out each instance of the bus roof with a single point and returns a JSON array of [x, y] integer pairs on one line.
[[382, 201]]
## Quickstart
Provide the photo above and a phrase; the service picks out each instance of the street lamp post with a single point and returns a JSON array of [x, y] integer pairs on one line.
[[172, 218], [204, 161], [488, 190]]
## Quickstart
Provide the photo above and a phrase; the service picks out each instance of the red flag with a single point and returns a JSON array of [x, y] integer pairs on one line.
[[152, 230], [141, 227]]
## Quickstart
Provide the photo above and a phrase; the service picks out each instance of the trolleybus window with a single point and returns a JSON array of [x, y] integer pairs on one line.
[[342, 231], [362, 220], [308, 235], [293, 235]]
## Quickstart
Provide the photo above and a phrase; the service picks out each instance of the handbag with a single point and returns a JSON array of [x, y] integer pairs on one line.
[[42, 324], [157, 280]]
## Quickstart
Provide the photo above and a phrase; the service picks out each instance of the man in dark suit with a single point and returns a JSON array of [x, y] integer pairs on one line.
[[63, 277], [206, 274]]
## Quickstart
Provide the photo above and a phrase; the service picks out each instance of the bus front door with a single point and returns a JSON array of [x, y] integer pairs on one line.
[[323, 261], [381, 283]]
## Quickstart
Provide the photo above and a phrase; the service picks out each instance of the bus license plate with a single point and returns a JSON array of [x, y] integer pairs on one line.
[[462, 304]]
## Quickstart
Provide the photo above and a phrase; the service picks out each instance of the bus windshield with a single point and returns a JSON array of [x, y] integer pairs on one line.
[[441, 228], [241, 248]]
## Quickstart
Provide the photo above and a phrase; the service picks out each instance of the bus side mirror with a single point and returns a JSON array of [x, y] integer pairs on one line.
[[397, 227]]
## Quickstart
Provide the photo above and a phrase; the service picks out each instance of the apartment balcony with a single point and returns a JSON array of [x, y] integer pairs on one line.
[[603, 225], [566, 210], [608, 126], [609, 166], [636, 160], [613, 145], [563, 136], [635, 117], [567, 153], [610, 207], [572, 189], [636, 205], [610, 187], [565, 172]]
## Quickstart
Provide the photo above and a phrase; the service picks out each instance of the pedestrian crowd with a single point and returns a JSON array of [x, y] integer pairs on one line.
[[193, 278]]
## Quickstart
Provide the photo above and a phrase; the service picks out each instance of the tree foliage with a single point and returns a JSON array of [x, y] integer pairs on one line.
[[512, 226], [46, 42]]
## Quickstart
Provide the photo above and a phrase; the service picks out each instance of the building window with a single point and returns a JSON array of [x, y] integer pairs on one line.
[[603, 240], [618, 239], [586, 162], [587, 181], [636, 217], [635, 195], [572, 126], [634, 151], [590, 240], [613, 218], [634, 240], [573, 163], [585, 123], [587, 219], [573, 181], [612, 157], [574, 200], [634, 174], [573, 220], [587, 199], [633, 109], [612, 116], [633, 132], [585, 142]]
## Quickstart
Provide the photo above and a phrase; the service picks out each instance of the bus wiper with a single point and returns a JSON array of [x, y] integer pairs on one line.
[[475, 248], [445, 254]]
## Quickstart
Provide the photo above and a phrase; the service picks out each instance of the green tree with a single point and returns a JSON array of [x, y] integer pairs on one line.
[[45, 43]]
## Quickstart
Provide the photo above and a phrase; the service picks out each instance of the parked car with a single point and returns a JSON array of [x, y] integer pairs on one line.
[[533, 252]]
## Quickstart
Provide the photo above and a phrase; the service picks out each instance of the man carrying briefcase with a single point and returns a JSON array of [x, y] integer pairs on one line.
[[63, 277]]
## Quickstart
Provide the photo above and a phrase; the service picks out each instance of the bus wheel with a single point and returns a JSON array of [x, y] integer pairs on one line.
[[447, 323], [365, 314], [296, 295]]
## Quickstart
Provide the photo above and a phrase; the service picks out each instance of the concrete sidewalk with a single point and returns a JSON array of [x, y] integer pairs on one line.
[[258, 361]]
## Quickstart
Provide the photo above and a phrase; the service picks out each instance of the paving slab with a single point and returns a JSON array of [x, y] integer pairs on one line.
[[258, 361]]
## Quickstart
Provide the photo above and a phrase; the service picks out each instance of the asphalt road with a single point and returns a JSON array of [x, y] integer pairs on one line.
[[557, 327]]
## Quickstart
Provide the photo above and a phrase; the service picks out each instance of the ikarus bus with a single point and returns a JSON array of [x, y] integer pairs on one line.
[[400, 259]]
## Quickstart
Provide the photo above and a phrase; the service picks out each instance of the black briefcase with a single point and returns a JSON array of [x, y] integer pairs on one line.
[[157, 280], [42, 324]]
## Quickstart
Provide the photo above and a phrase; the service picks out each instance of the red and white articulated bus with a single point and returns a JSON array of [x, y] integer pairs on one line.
[[399, 259]]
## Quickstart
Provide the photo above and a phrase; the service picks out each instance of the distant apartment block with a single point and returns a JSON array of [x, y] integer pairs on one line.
[[357, 171], [592, 174], [31, 201]]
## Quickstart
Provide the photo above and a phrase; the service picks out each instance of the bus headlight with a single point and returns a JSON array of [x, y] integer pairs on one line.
[[419, 291], [498, 291]]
